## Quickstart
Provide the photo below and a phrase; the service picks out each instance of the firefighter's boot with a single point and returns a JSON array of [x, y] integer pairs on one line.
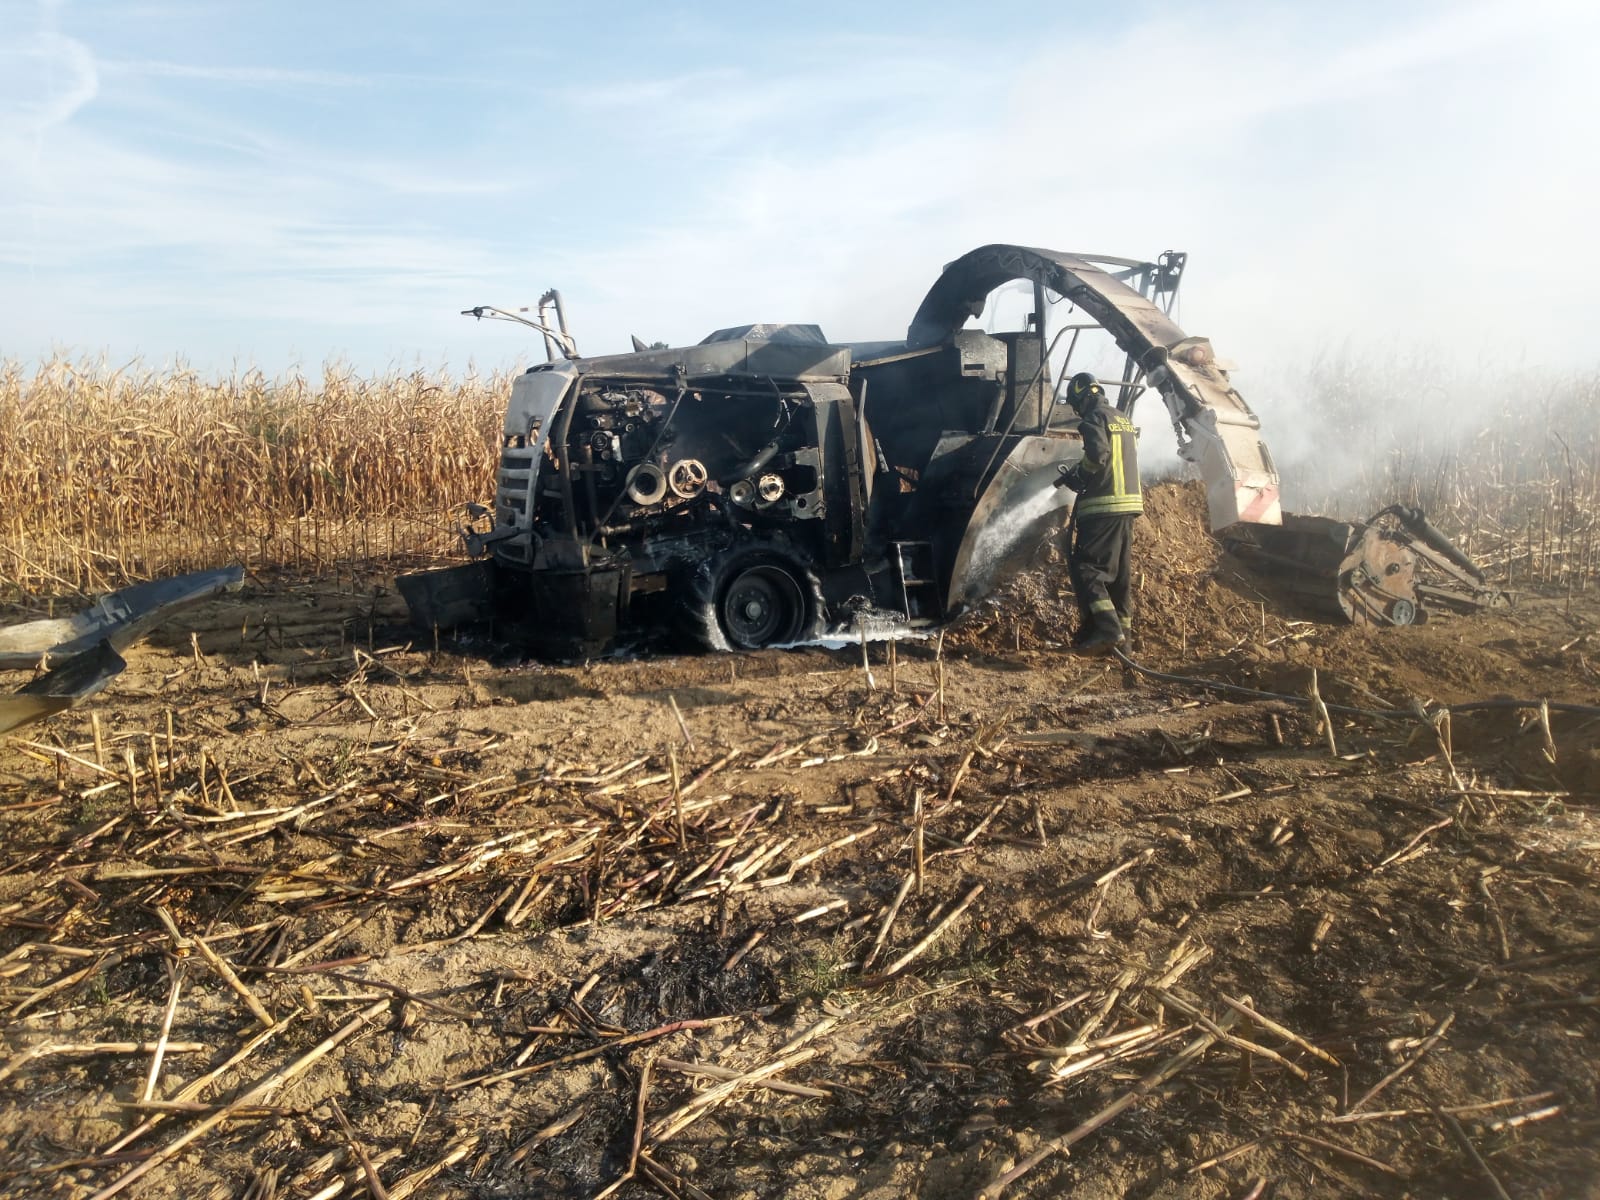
[[1104, 633]]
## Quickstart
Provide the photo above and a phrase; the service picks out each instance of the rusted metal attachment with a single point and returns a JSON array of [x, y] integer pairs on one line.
[[1384, 571]]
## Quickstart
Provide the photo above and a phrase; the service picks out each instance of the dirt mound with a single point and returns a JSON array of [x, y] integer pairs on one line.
[[1190, 599]]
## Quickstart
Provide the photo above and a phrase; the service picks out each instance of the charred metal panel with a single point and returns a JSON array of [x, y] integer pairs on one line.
[[64, 685], [530, 417], [773, 350], [1017, 507], [840, 473], [1025, 404], [120, 618], [913, 399], [450, 597], [86, 643]]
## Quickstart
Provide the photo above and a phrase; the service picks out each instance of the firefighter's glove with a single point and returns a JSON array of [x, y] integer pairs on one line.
[[1069, 478]]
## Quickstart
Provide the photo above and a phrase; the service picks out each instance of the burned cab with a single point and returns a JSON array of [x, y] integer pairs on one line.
[[767, 485]]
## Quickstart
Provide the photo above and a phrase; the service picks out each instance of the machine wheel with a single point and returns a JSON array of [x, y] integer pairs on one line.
[[761, 604]]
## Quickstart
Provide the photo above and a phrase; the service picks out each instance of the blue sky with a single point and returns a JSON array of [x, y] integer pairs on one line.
[[284, 183]]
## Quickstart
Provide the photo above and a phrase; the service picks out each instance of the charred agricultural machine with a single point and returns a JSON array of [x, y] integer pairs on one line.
[[768, 485]]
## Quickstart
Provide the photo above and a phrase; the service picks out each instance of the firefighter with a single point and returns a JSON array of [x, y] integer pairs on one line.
[[1106, 480]]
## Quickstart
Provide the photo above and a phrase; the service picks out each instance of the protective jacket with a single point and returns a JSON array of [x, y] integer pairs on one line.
[[1107, 478]]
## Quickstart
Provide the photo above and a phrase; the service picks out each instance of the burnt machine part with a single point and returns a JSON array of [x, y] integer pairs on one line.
[[82, 649], [666, 485], [119, 618], [66, 683], [1383, 571], [742, 484]]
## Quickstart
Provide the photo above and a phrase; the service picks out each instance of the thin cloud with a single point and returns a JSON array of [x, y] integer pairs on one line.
[[45, 78], [274, 77], [249, 76]]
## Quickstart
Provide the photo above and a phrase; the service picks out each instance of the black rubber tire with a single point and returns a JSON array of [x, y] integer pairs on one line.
[[761, 603]]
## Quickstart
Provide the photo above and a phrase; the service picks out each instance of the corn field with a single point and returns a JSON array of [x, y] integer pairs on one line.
[[112, 475]]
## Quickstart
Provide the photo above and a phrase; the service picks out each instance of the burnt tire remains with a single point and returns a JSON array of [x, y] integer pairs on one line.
[[761, 604]]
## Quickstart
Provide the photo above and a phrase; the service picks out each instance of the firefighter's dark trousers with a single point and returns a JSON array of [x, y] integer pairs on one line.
[[1100, 566]]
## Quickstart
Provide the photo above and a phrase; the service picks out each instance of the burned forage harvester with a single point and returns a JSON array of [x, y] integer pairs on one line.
[[767, 485]]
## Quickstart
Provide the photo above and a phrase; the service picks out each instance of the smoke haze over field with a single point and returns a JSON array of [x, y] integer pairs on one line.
[[285, 184]]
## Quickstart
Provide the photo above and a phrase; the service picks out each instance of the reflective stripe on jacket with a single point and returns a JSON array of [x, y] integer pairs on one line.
[[1109, 471]]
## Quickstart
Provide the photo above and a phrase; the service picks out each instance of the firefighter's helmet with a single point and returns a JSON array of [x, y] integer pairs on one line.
[[1083, 389]]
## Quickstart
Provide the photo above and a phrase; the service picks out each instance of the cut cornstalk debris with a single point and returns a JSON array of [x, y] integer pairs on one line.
[[933, 934], [408, 1185], [90, 1049], [1458, 1110], [1406, 849], [1059, 1070], [683, 728], [790, 1054], [1124, 981], [1321, 708], [1459, 1135], [1149, 1083], [1250, 1014], [1181, 963], [252, 1098], [195, 1086], [1336, 1148], [976, 831], [1427, 1044], [1052, 1012], [605, 1047], [745, 947], [919, 837], [1232, 1039], [1137, 1033], [374, 1184], [166, 1031], [1527, 1118], [711, 1071], [1142, 857], [820, 910], [811, 856], [221, 967], [888, 920], [1228, 1155], [677, 799]]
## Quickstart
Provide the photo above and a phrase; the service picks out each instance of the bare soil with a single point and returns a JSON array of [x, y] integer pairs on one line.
[[489, 937]]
